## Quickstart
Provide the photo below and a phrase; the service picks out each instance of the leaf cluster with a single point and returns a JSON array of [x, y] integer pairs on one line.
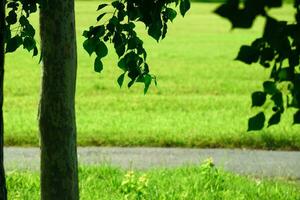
[[278, 50], [19, 31], [118, 27]]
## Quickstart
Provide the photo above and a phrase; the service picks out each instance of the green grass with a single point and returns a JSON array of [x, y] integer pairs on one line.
[[200, 182], [202, 98]]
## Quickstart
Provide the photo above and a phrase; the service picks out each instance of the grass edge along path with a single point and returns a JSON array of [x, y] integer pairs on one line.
[[201, 182]]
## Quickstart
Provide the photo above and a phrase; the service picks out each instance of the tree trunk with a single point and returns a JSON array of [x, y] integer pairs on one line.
[[3, 192], [59, 174]]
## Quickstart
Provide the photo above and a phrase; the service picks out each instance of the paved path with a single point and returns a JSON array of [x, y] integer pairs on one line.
[[254, 162]]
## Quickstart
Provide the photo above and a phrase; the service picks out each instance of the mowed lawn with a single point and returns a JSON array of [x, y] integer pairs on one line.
[[202, 98]]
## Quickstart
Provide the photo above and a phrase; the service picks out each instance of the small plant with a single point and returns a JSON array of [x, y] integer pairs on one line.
[[134, 187], [212, 178]]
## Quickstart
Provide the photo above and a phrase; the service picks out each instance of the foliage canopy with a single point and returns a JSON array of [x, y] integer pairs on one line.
[[277, 49]]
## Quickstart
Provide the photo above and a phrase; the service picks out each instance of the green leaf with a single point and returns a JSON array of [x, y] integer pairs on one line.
[[98, 31], [35, 51], [277, 99], [267, 54], [12, 17], [101, 49], [275, 119], [258, 98], [98, 65], [122, 64], [100, 16], [147, 81], [86, 34], [120, 49], [274, 3], [132, 43], [29, 43], [23, 21], [270, 87], [13, 44], [286, 74], [248, 54], [155, 30], [171, 14], [130, 83], [256, 122], [102, 6], [90, 45], [121, 79], [13, 5], [297, 117], [164, 32], [184, 6], [28, 30], [118, 5]]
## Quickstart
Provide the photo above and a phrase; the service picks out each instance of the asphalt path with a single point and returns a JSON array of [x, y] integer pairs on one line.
[[250, 162]]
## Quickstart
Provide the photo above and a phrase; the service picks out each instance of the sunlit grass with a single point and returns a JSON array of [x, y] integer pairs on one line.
[[202, 98], [200, 182]]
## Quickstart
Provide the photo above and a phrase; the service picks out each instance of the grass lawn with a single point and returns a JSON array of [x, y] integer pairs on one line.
[[202, 98], [201, 182]]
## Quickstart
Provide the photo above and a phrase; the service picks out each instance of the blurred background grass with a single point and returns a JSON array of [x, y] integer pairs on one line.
[[202, 98]]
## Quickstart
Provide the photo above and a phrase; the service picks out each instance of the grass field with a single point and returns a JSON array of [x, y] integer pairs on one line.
[[202, 98], [201, 182]]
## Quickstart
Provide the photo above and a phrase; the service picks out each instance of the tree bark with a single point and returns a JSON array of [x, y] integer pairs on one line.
[[3, 192], [57, 124]]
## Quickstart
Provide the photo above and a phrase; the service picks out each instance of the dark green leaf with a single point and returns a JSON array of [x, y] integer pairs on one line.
[[297, 117], [294, 59], [121, 15], [267, 54], [35, 51], [256, 122], [121, 79], [102, 6], [13, 44], [164, 32], [275, 119], [86, 34], [23, 21], [155, 30], [7, 33], [131, 83], [258, 98], [184, 6], [12, 17], [132, 43], [171, 14], [13, 5], [120, 49], [90, 45], [248, 54], [122, 64], [98, 65], [270, 87], [285, 74], [118, 5], [98, 31], [100, 16], [147, 81], [101, 49], [277, 99], [29, 43], [29, 31], [274, 3]]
